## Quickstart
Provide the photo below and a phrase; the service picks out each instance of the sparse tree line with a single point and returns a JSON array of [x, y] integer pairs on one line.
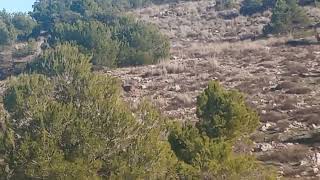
[[17, 26], [104, 30], [287, 15]]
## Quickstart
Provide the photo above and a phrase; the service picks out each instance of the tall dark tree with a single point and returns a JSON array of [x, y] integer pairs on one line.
[[286, 16], [24, 24]]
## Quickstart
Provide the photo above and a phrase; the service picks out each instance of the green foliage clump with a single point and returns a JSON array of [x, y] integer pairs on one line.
[[113, 39], [309, 2], [7, 31], [5, 36], [73, 124], [64, 59], [94, 36], [250, 7], [14, 27], [140, 43], [269, 3], [286, 16], [205, 151], [117, 42], [204, 158], [24, 25], [224, 5], [224, 113]]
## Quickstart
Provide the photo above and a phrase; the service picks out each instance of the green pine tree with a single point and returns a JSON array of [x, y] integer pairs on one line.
[[66, 122], [286, 16], [224, 113]]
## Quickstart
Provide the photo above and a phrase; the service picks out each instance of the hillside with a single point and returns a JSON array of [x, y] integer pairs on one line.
[[280, 81], [160, 89]]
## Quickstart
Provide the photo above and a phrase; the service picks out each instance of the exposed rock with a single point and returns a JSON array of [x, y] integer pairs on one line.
[[316, 159], [264, 147], [267, 126], [273, 116]]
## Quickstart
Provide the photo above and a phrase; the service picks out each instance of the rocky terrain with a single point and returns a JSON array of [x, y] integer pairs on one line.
[[279, 80]]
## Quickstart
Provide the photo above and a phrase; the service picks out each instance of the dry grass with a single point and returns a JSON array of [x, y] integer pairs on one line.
[[294, 153], [286, 85], [295, 68], [158, 71], [212, 49], [273, 116], [184, 100], [213, 64], [299, 90], [173, 68], [254, 85], [180, 100]]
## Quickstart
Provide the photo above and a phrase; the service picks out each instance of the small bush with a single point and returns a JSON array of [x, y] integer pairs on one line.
[[62, 59], [224, 113], [294, 153], [286, 16], [205, 151], [6, 33], [25, 51], [249, 7], [204, 158]]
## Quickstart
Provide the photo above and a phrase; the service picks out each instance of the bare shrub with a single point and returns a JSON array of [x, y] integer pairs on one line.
[[213, 64], [312, 118], [184, 100], [273, 116], [291, 171], [179, 101], [295, 68], [160, 102], [299, 90], [294, 153], [254, 85], [288, 105], [173, 68], [282, 125], [258, 137], [158, 71], [212, 49], [286, 85]]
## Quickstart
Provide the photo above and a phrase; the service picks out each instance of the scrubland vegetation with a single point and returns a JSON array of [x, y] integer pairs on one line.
[[61, 120], [15, 27]]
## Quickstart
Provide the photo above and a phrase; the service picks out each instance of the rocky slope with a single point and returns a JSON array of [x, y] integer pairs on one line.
[[280, 81]]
